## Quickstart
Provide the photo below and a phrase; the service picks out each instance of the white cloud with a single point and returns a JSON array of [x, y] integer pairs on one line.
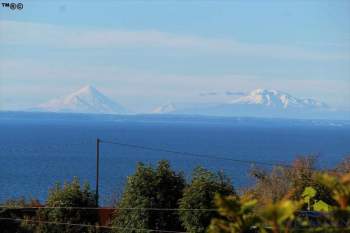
[[35, 34]]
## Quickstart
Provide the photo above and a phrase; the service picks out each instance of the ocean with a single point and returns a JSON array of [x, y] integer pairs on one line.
[[38, 150]]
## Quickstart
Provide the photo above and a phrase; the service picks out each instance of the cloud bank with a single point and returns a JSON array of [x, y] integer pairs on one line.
[[37, 34]]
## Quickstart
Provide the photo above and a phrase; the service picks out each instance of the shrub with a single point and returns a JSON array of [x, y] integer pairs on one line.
[[274, 185], [149, 187], [238, 215], [68, 195], [199, 194]]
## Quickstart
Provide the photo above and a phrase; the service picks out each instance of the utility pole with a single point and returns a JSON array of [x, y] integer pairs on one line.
[[97, 167]]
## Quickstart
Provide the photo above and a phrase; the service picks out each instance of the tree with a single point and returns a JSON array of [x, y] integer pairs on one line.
[[68, 195], [240, 215], [274, 185], [200, 195], [344, 166], [159, 188]]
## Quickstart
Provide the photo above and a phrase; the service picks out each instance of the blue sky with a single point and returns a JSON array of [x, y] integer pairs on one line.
[[144, 53]]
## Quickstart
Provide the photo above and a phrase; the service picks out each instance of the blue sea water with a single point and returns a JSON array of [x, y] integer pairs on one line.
[[37, 150]]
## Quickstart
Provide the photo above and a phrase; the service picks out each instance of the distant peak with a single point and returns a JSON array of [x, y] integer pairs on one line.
[[169, 107], [276, 99], [87, 99], [88, 88]]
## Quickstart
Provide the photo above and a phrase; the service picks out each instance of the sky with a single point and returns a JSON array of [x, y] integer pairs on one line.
[[144, 54]]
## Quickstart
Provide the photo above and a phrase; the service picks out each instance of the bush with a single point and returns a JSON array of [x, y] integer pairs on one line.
[[272, 186], [200, 195], [237, 215], [150, 188], [68, 195]]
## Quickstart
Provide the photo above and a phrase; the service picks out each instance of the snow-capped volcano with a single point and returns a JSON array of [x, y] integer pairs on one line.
[[276, 99], [85, 100], [259, 102]]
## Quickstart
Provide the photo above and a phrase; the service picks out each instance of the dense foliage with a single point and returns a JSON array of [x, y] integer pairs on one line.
[[146, 191], [68, 195], [297, 198], [291, 181], [240, 215], [199, 194]]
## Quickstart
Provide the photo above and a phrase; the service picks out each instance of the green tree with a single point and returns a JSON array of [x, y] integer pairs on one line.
[[69, 195], [199, 194], [155, 188]]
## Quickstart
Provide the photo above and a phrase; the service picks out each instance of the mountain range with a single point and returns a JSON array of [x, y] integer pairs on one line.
[[277, 99], [257, 103]]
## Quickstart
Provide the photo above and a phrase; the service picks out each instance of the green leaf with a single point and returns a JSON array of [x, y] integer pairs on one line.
[[309, 192], [321, 206]]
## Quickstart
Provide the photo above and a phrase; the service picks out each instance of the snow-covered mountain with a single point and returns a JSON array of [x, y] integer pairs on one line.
[[167, 108], [85, 100], [276, 99], [259, 102]]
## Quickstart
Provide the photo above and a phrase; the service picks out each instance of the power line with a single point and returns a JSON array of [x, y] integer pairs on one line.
[[89, 225], [198, 155], [130, 228], [110, 208]]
